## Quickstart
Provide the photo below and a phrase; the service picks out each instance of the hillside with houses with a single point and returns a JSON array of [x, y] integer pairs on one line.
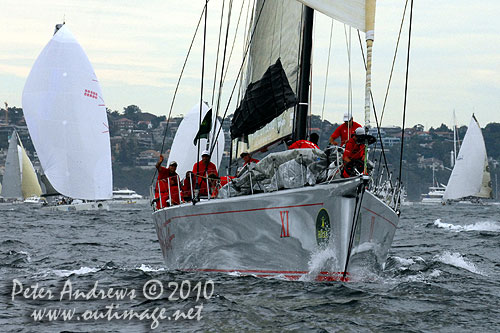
[[137, 138]]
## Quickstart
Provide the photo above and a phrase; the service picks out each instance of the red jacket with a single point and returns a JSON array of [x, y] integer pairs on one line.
[[303, 144], [164, 174], [342, 132], [203, 170], [354, 151]]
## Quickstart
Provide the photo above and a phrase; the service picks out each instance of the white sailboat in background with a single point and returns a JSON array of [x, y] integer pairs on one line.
[[66, 117], [19, 180], [183, 151], [436, 191], [267, 223], [470, 179]]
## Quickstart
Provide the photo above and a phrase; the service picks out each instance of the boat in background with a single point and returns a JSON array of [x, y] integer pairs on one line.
[[68, 124], [20, 183], [184, 151], [470, 180], [436, 191], [126, 196]]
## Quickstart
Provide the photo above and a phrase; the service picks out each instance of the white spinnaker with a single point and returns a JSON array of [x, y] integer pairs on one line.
[[467, 176], [66, 117], [184, 152]]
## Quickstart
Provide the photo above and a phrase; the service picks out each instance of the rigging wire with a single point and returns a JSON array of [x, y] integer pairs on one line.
[[201, 89], [218, 49], [177, 86], [406, 94], [393, 62], [214, 138], [326, 80], [234, 39], [240, 70]]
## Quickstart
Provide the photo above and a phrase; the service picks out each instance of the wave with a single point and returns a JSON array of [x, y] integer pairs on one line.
[[147, 269], [81, 271], [321, 260], [478, 226], [457, 260]]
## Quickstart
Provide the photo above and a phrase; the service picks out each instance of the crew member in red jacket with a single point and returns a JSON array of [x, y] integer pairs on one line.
[[344, 131], [203, 169], [312, 143], [248, 159], [167, 186], [354, 155]]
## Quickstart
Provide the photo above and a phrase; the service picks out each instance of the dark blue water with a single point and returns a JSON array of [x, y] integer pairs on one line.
[[443, 274]]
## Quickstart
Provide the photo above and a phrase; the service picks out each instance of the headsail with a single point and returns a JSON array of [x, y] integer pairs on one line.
[[470, 176], [29, 181], [276, 35], [11, 187], [264, 100], [184, 152], [20, 179], [67, 120]]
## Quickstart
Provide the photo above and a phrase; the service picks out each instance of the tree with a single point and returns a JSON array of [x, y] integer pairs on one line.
[[132, 112], [156, 121]]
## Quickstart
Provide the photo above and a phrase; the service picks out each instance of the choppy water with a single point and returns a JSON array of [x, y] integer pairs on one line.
[[443, 274]]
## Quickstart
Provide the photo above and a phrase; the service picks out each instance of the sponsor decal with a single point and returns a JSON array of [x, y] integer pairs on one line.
[[322, 227]]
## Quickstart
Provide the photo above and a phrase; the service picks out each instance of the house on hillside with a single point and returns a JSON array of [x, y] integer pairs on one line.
[[124, 123]]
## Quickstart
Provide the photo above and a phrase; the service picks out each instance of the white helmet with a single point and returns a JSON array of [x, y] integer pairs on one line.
[[360, 131]]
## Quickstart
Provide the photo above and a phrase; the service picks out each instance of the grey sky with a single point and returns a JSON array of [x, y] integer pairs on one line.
[[137, 49]]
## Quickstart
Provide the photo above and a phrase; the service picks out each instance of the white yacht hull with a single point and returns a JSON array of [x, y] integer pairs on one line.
[[277, 233], [99, 205]]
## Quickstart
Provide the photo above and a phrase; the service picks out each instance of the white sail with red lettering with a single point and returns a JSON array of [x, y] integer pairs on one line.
[[66, 117]]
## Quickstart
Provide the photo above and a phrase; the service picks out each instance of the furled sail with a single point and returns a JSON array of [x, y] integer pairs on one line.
[[183, 150], [11, 187], [276, 31], [470, 175], [67, 120]]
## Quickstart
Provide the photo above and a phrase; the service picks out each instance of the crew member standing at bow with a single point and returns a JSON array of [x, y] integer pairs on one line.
[[203, 169], [344, 131], [167, 186], [354, 155]]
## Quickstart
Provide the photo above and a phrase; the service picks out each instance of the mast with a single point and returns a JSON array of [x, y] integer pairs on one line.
[[304, 76], [455, 138], [370, 26], [370, 34]]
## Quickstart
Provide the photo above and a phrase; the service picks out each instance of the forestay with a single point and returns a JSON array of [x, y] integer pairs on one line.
[[66, 117]]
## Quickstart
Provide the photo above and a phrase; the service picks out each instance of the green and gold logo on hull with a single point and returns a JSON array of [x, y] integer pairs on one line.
[[322, 227]]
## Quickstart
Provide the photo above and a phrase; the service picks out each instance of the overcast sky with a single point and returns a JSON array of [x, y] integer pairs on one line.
[[137, 49]]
